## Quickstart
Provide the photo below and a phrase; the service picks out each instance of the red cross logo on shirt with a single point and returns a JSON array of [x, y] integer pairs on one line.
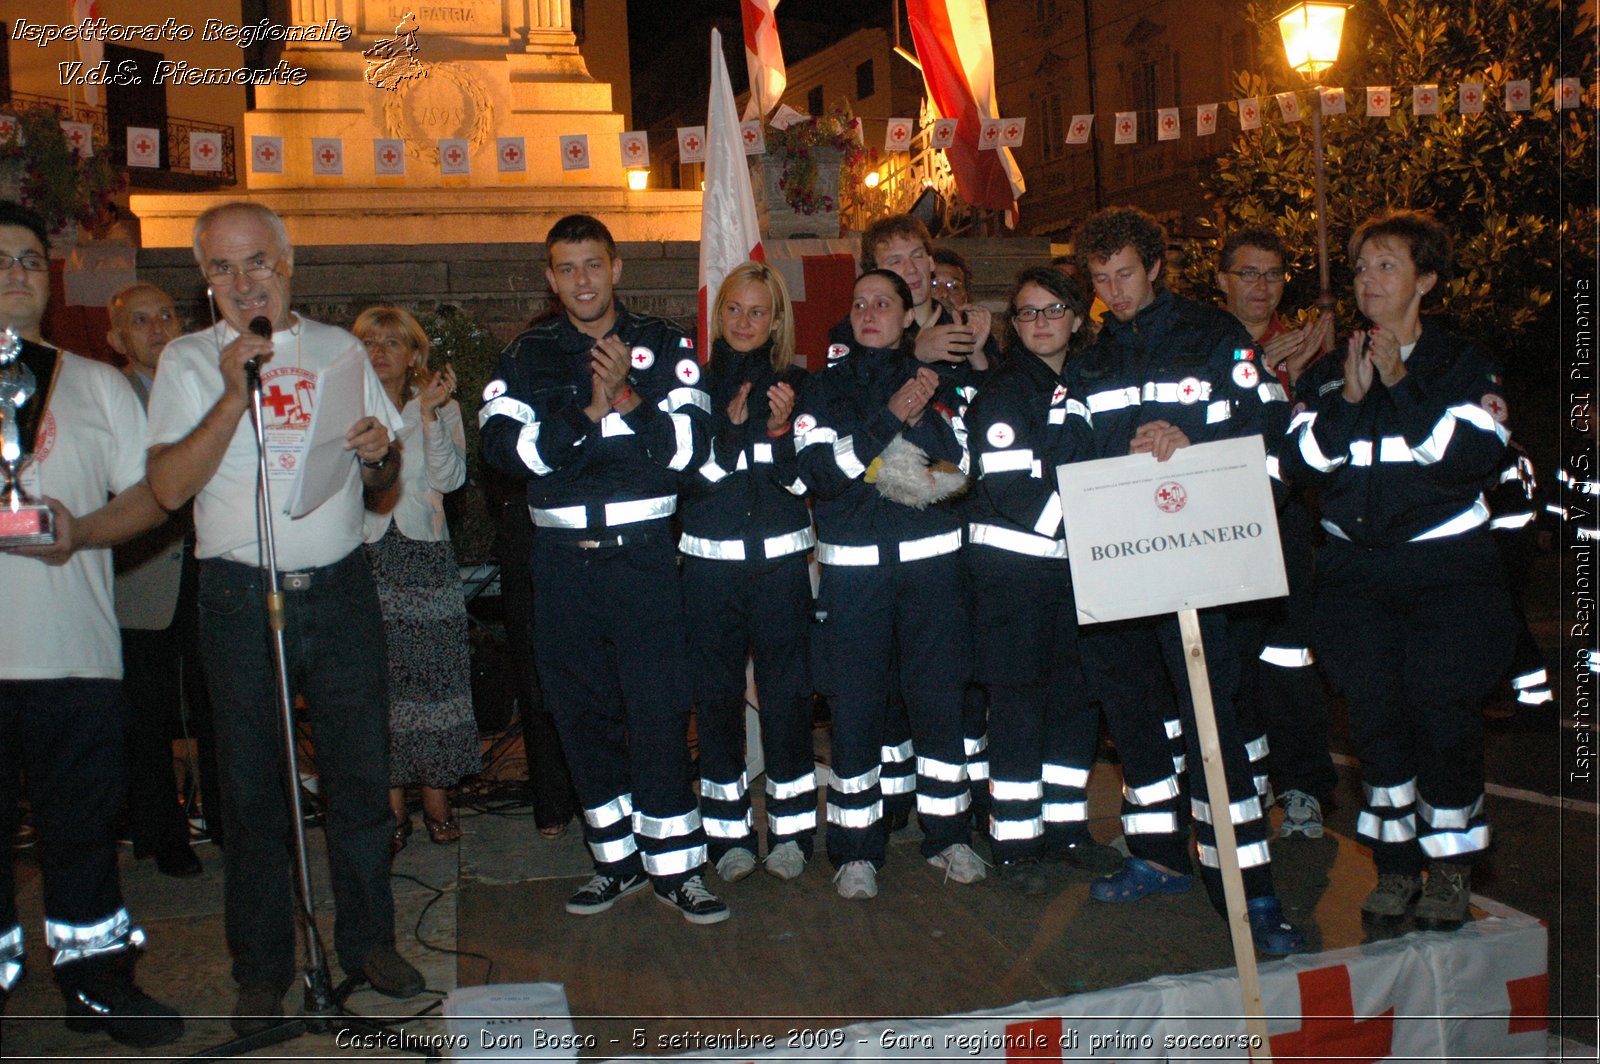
[[511, 154], [328, 156], [641, 357], [576, 151], [279, 400], [265, 153], [204, 149], [389, 156], [141, 145], [1426, 98], [634, 148], [1495, 405], [693, 144], [1187, 391]]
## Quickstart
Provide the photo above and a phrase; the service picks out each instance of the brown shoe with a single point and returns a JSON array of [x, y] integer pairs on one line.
[[391, 974], [1446, 899], [1392, 898], [258, 1008]]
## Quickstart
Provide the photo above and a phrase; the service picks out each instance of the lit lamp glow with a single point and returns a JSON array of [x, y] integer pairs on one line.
[[639, 180], [1311, 33], [872, 179]]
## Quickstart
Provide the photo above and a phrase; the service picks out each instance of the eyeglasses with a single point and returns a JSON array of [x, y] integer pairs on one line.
[[228, 273], [947, 286], [1053, 311], [28, 261], [1251, 276]]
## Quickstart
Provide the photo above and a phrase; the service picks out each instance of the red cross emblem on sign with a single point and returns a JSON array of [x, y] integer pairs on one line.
[[899, 133], [328, 156], [693, 144], [1170, 497], [142, 145], [1516, 93], [1329, 1025], [1427, 97], [279, 400], [1077, 130], [1249, 112], [6, 129], [1126, 126], [1566, 92], [1166, 123], [749, 136], [1206, 119], [633, 147], [576, 151], [389, 156], [990, 133], [1378, 99], [205, 149], [511, 153], [455, 155], [1495, 405], [1471, 97], [1011, 131], [265, 153], [76, 136]]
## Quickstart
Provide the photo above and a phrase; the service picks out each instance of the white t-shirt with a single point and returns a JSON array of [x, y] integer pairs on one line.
[[189, 383], [433, 462], [60, 620]]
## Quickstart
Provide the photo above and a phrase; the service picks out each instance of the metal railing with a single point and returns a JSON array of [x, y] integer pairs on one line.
[[176, 136]]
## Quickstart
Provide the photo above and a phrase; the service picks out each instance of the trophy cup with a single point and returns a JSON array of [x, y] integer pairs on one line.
[[22, 522]]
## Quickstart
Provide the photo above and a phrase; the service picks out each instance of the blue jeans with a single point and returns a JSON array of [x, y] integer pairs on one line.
[[337, 662]]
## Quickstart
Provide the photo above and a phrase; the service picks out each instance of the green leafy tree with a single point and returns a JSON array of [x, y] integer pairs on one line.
[[1517, 189]]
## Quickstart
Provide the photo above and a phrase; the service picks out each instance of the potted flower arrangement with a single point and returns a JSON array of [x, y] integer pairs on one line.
[[40, 169], [816, 160]]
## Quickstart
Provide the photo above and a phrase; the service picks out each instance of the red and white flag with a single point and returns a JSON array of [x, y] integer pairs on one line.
[[1012, 132], [1078, 131], [1569, 93], [1289, 106], [1425, 99], [205, 152], [944, 133], [1470, 95], [1127, 128], [266, 155], [754, 137], [763, 56], [511, 155], [1167, 125], [635, 148], [144, 146], [1332, 101], [730, 232], [897, 135], [989, 134], [327, 157], [10, 128], [1205, 119], [389, 157], [691, 144], [1379, 102], [80, 138], [957, 56], [1519, 95], [455, 156], [91, 49], [1250, 113], [575, 151]]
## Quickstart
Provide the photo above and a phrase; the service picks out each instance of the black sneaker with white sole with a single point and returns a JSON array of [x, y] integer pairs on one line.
[[602, 892], [697, 904]]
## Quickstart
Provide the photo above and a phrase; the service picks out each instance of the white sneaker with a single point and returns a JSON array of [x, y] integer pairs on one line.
[[960, 863], [857, 879], [786, 860], [1302, 815], [736, 864]]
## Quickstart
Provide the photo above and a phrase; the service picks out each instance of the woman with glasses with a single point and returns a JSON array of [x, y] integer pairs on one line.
[[433, 735], [1042, 728], [1401, 436], [746, 534], [880, 446]]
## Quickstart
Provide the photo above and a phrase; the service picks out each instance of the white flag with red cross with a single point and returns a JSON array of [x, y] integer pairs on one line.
[[897, 134], [80, 138], [944, 133], [1569, 93], [1519, 95], [1127, 128], [1205, 119], [1250, 113], [989, 134], [511, 155], [144, 146], [327, 157], [1078, 131], [753, 136], [1289, 106], [1425, 99], [1379, 101], [1012, 131], [1332, 101], [1167, 125], [575, 151], [635, 148], [205, 152], [266, 155], [1470, 97], [691, 144], [10, 129], [389, 157], [455, 156]]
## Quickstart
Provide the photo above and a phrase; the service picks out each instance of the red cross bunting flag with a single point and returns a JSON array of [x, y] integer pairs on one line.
[[1332, 101], [753, 136], [635, 147], [691, 144], [389, 157], [10, 128], [80, 137], [1568, 93], [455, 156], [511, 155], [944, 133], [1470, 97], [1425, 99], [1205, 119], [1289, 106], [266, 155], [205, 152], [1519, 95], [1250, 113], [575, 151], [988, 134], [1167, 125], [897, 134], [327, 157], [1127, 127], [1012, 131], [144, 146], [1078, 131], [1379, 102]]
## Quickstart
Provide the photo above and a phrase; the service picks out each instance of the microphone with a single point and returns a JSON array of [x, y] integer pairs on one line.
[[262, 328]]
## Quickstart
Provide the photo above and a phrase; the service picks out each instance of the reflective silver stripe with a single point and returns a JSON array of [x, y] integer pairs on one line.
[[636, 510], [1150, 823], [1531, 679], [603, 816], [613, 425], [1462, 522], [855, 784], [683, 435], [717, 550], [1257, 748], [1239, 812], [834, 554], [1049, 517], [1112, 399], [1168, 392], [1058, 415], [91, 937], [1536, 697], [1015, 460], [1361, 453], [943, 771], [505, 406], [1309, 449], [1065, 812], [1274, 469], [1287, 657], [1455, 843], [560, 517], [927, 805], [1221, 410], [11, 958], [1272, 392], [1180, 763], [978, 770], [1075, 407], [679, 398], [1009, 539], [1263, 787], [895, 753], [712, 471], [674, 862], [972, 747], [1151, 793], [899, 784], [718, 828], [1399, 829], [795, 788], [815, 436], [1334, 530], [916, 550], [1397, 796], [855, 818], [1512, 521], [1174, 727], [1016, 790], [741, 464], [1015, 830], [792, 824], [725, 792], [528, 450], [10, 975], [1066, 775], [797, 487], [844, 456], [613, 851], [1432, 449], [1394, 449], [665, 827], [1454, 818], [1251, 855], [761, 453], [788, 543]]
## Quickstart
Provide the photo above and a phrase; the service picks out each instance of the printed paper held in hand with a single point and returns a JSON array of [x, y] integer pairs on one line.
[[326, 465]]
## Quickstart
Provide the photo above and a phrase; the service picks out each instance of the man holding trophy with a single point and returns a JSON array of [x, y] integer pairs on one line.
[[71, 437]]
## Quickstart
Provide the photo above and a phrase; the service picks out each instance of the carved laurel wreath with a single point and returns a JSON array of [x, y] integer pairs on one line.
[[421, 146]]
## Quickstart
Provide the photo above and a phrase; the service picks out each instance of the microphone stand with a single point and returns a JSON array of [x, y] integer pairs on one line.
[[322, 1010]]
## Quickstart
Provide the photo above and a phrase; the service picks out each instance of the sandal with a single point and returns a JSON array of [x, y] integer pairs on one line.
[[442, 831], [398, 837], [1137, 878]]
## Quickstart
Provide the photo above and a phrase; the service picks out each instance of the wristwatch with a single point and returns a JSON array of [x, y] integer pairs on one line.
[[379, 464]]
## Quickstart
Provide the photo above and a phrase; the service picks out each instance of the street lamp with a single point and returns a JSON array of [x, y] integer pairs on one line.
[[1311, 33], [639, 179]]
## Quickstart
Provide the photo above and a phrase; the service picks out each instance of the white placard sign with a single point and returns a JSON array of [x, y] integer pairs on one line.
[[1148, 537]]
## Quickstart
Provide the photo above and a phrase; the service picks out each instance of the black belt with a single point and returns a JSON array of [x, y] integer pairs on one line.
[[620, 539]]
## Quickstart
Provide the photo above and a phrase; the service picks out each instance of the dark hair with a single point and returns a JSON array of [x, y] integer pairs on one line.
[[901, 289], [946, 257], [1107, 232], [577, 228], [886, 229], [1061, 286], [1252, 237], [14, 213], [1431, 246]]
